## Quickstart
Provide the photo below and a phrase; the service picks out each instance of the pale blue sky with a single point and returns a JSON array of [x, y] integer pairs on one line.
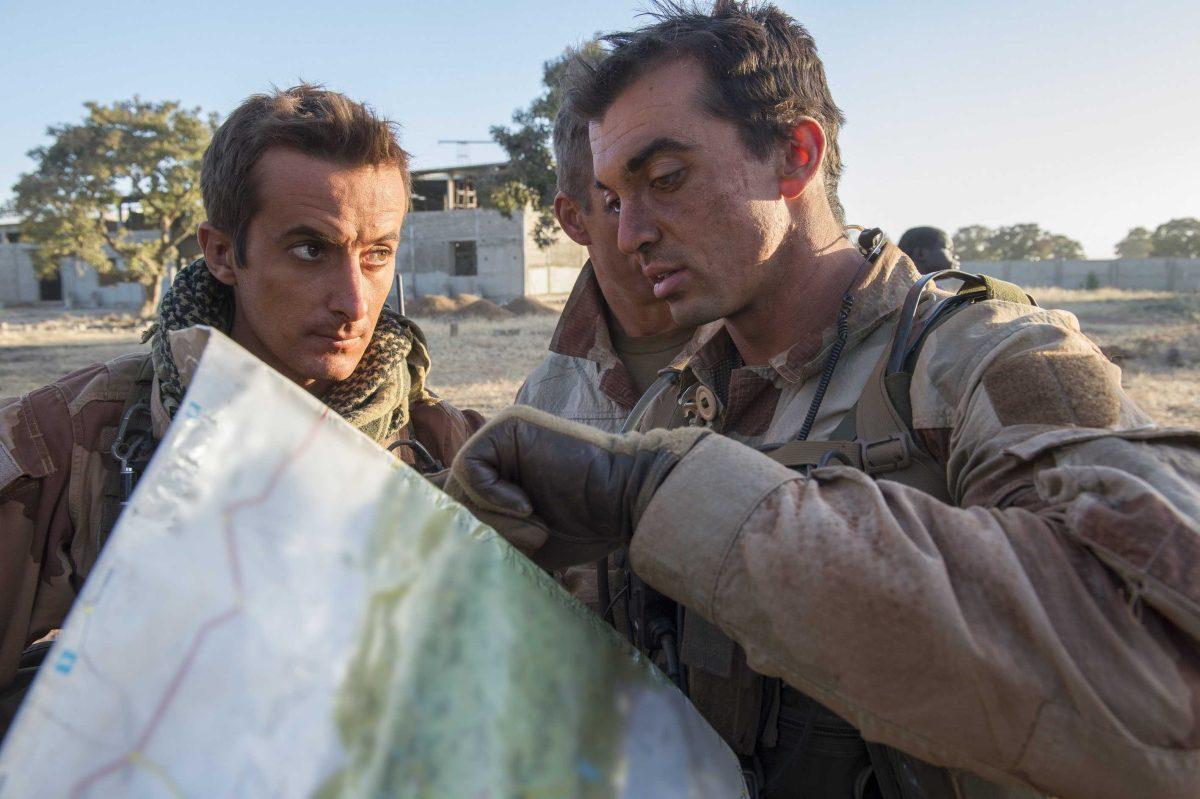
[[1080, 116]]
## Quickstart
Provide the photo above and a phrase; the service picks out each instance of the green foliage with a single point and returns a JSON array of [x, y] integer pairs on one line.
[[1179, 238], [1023, 242], [529, 179], [132, 161], [1136, 244]]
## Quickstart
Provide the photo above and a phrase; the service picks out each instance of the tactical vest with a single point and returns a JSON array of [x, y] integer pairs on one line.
[[799, 747]]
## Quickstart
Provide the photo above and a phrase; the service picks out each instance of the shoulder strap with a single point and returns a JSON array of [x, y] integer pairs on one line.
[[877, 434]]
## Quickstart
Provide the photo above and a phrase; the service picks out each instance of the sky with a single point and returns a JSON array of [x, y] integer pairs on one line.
[[1079, 116]]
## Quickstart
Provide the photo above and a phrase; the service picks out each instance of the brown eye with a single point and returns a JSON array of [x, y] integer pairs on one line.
[[668, 181], [378, 257]]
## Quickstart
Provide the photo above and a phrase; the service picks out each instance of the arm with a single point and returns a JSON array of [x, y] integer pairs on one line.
[[1000, 636], [36, 442]]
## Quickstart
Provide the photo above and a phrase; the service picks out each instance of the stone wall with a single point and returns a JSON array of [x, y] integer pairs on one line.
[[1153, 274]]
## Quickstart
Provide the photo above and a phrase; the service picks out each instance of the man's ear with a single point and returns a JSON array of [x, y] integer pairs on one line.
[[570, 218], [218, 252], [803, 154]]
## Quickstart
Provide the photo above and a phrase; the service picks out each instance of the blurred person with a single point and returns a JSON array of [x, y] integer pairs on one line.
[[930, 249], [614, 335], [935, 549], [305, 192]]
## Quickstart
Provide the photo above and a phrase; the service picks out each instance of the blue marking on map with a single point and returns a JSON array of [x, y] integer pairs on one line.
[[192, 411], [66, 662], [589, 772]]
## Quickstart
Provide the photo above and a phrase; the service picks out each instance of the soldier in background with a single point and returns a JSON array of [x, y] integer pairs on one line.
[[979, 577], [305, 192], [614, 335], [929, 248]]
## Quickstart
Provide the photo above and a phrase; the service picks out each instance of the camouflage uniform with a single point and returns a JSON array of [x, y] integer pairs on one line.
[[56, 462], [1040, 629], [583, 378]]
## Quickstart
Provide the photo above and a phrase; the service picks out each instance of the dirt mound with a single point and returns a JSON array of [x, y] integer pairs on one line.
[[432, 305], [530, 306], [464, 300], [482, 309]]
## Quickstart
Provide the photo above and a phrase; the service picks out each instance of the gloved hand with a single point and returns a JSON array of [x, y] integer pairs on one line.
[[561, 492]]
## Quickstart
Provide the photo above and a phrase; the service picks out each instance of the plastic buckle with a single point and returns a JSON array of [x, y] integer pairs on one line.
[[886, 455]]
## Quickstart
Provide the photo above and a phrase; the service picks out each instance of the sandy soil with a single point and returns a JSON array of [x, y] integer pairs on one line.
[[1154, 336]]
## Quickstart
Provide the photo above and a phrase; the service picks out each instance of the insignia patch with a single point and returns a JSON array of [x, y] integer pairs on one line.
[[1053, 388]]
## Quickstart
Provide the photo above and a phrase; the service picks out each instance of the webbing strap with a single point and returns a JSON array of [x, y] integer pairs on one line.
[[798, 454]]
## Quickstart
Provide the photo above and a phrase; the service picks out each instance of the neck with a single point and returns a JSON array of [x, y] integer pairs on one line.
[[641, 321], [813, 270]]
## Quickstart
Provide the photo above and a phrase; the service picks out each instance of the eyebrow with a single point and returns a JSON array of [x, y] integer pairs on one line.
[[312, 233], [663, 144]]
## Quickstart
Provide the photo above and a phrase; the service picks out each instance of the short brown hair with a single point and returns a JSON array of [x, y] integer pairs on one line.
[[573, 155], [307, 118], [762, 68]]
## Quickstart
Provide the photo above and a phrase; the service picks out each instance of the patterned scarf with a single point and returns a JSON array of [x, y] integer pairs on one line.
[[375, 399]]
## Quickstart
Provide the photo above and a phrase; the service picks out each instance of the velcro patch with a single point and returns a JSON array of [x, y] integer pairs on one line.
[[1053, 388]]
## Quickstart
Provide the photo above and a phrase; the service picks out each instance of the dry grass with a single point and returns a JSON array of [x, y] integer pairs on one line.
[[1155, 336]]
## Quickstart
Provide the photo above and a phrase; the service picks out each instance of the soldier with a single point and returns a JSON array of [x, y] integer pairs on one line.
[[930, 249], [614, 335], [979, 578], [305, 191]]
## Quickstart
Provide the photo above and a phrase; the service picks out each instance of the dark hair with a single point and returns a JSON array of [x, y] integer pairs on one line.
[[573, 155], [306, 118], [762, 68], [923, 237]]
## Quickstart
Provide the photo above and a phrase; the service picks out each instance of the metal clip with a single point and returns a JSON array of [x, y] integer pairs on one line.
[[129, 449], [700, 405]]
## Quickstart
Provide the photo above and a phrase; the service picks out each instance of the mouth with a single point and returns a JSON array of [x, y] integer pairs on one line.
[[339, 342], [664, 280]]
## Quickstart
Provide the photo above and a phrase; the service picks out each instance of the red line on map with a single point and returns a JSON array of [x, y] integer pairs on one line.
[[172, 690]]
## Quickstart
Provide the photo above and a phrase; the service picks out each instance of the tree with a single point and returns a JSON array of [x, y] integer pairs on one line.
[[971, 243], [127, 168], [1136, 244], [529, 179], [1022, 242], [1179, 238]]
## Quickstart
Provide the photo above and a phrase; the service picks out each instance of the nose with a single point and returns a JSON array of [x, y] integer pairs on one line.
[[636, 228], [348, 292]]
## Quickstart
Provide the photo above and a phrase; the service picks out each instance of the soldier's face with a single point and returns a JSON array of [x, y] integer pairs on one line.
[[702, 214], [619, 274], [320, 255]]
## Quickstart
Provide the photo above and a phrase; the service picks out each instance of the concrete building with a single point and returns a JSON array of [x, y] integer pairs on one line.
[[76, 284]]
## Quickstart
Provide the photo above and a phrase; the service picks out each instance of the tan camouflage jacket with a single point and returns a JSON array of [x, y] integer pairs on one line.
[[583, 378], [1042, 630], [54, 462]]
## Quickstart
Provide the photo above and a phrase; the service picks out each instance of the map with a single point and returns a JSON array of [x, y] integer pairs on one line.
[[285, 609]]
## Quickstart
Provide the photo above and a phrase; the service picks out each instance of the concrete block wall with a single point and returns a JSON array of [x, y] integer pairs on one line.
[[426, 255], [82, 288], [1149, 274], [18, 281]]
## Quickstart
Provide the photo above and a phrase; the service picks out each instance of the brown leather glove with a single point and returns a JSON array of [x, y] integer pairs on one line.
[[561, 492]]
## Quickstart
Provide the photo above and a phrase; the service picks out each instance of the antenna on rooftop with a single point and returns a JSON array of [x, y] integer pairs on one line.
[[464, 147]]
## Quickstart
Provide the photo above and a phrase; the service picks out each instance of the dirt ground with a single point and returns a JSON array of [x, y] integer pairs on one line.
[[1154, 336]]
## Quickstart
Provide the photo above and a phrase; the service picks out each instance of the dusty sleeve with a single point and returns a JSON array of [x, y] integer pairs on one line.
[[36, 437], [1042, 631]]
